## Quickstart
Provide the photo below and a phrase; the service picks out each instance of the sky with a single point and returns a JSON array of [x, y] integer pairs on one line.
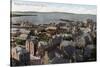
[[21, 5]]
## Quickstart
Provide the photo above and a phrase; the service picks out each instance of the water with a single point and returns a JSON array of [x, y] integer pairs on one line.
[[45, 18]]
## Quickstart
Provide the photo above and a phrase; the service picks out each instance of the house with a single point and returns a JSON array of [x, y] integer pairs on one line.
[[34, 60], [69, 52], [20, 54], [45, 58], [89, 53], [12, 42], [60, 60], [23, 36], [51, 30], [14, 62], [15, 32], [40, 43], [65, 43], [80, 42], [24, 31], [31, 46]]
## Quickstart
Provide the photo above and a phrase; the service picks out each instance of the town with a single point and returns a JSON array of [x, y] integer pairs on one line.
[[53, 43]]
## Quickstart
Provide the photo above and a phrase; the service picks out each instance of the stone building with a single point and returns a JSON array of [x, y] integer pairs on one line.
[[20, 54], [31, 45]]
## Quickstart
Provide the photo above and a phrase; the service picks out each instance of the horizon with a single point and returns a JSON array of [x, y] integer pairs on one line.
[[49, 12]]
